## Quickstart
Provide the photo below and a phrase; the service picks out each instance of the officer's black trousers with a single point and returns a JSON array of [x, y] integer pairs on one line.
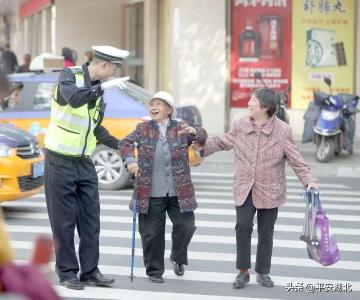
[[72, 198], [244, 226], [152, 232]]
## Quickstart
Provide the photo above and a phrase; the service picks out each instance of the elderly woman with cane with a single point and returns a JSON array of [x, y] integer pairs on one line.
[[262, 144], [163, 183]]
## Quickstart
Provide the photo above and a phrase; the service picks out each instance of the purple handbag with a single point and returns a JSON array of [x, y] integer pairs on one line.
[[321, 244]]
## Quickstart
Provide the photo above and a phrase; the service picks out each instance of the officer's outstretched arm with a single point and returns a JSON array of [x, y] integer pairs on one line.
[[104, 137]]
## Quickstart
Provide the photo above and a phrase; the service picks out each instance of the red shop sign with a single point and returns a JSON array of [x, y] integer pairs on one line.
[[260, 42]]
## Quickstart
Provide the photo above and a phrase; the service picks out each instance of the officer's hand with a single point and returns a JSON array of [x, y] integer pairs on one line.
[[117, 82], [133, 168]]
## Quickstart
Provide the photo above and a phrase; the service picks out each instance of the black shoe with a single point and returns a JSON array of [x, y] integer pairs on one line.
[[156, 278], [73, 283], [97, 279], [264, 280], [240, 280], [178, 268]]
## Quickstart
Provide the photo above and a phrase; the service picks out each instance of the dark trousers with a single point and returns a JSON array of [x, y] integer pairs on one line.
[[244, 226], [152, 232], [72, 199]]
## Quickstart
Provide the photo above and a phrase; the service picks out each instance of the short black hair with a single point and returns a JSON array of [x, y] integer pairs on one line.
[[267, 98], [67, 53]]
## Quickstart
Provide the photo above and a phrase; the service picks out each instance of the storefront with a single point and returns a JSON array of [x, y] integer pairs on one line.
[[295, 45], [206, 52], [35, 27], [357, 51]]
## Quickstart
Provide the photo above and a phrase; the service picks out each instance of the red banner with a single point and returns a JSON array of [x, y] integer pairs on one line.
[[261, 42], [32, 6]]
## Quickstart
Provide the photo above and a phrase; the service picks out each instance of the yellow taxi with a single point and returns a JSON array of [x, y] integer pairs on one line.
[[124, 109], [21, 164]]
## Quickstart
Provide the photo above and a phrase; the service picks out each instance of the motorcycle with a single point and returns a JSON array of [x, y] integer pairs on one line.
[[334, 126], [282, 100]]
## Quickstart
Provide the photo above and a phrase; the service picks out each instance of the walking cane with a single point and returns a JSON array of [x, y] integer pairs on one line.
[[133, 229]]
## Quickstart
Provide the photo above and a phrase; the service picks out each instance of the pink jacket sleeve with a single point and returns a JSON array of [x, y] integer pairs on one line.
[[221, 142]]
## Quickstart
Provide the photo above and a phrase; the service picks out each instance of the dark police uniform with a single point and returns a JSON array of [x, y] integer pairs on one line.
[[71, 185]]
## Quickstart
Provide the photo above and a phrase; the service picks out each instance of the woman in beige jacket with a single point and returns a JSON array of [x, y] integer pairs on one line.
[[262, 144]]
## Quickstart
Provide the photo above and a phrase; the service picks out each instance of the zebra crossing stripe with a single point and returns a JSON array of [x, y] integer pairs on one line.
[[212, 256], [228, 183], [198, 238], [216, 191], [126, 195], [199, 211], [199, 223], [325, 199], [221, 277], [116, 294], [295, 194]]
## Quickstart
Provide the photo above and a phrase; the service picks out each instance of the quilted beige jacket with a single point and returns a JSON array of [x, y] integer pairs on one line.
[[260, 156]]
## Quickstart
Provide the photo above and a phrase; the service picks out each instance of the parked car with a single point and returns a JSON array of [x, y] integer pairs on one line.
[[124, 109], [21, 164]]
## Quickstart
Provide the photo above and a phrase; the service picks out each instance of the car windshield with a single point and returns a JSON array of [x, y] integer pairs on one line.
[[44, 95], [42, 87], [136, 92]]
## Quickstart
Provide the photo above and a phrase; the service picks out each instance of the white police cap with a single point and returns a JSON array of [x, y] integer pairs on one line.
[[110, 54]]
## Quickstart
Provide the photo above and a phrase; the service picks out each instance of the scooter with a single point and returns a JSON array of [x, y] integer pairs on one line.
[[282, 100], [334, 128]]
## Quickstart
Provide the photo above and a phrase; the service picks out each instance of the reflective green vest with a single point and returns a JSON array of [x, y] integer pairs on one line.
[[71, 130]]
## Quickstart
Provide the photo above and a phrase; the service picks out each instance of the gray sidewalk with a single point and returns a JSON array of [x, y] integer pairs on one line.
[[343, 165]]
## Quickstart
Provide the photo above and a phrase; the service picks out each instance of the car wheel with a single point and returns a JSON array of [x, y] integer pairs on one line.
[[110, 168]]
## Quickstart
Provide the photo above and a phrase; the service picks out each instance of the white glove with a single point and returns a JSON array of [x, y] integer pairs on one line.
[[117, 82]]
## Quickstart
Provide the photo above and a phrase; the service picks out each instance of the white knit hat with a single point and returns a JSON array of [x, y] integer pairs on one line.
[[168, 99]]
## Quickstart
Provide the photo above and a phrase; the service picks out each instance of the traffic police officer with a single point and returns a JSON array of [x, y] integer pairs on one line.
[[71, 183]]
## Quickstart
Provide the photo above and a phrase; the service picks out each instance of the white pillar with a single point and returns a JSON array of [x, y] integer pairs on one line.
[[357, 51], [25, 28], [53, 29], [197, 58], [44, 23], [150, 45]]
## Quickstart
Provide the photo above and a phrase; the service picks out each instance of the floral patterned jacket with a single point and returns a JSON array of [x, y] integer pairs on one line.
[[145, 137]]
